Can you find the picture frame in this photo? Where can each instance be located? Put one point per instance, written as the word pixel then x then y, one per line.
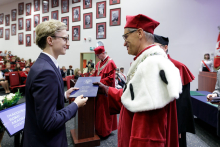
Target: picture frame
pixel 45 6
pixel 7 20
pixel 76 1
pixel 76 14
pixel 28 40
pixel 64 6
pixel 1 32
pixel 36 5
pixel 115 17
pixel 87 20
pixel 28 24
pixel 101 30
pixel 76 33
pixel 34 36
pixel 28 9
pixel 66 21
pixel 87 4
pixel 7 34
pixel 1 18
pixel 54 3
pixel 20 38
pixel 21 8
pixel 45 18
pixel 13 15
pixel 54 15
pixel 67 46
pixel 113 2
pixel 101 9
pixel 20 23
pixel 36 19
pixel 13 29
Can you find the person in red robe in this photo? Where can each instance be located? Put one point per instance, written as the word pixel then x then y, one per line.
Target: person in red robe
pixel 184 104
pixel 147 107
pixel 104 122
pixel 24 75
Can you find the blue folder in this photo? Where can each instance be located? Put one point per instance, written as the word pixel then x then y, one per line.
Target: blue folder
pixel 86 88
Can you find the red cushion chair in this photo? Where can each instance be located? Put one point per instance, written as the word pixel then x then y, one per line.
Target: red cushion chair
pixel 14 80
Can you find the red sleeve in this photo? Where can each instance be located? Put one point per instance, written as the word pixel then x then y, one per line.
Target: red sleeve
pixel 114 96
pixel 109 79
pixel 23 75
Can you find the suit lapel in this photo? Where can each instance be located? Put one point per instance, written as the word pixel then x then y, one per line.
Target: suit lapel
pixel 47 58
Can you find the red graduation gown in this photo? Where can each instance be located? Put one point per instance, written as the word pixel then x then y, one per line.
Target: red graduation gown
pixel 155 128
pixel 104 122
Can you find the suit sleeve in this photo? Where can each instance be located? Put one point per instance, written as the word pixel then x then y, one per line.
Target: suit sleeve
pixel 114 96
pixel 46 96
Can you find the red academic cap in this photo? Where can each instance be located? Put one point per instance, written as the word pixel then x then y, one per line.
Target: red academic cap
pixel 99 50
pixel 141 21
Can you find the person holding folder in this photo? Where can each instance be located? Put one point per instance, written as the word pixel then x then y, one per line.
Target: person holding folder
pixel 45 113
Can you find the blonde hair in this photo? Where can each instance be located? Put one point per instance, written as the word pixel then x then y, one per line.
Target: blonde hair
pixel 48 28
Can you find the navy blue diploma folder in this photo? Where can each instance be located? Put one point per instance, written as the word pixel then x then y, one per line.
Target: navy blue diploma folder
pixel 86 88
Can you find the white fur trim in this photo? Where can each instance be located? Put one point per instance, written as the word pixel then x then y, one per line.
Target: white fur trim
pixel 150 92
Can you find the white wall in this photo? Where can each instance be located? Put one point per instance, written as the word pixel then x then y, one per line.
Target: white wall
pixel 191 26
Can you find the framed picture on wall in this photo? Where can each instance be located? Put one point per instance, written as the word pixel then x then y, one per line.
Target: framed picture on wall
pixel 28 24
pixel 28 39
pixel 20 23
pixel 21 8
pixel 66 21
pixel 101 9
pixel 101 30
pixel 20 38
pixel 36 19
pixel 45 18
pixel 7 34
pixel 34 36
pixel 76 14
pixel 28 9
pixel 1 18
pixel 87 4
pixel 113 2
pixel 75 33
pixel 76 1
pixel 64 6
pixel 13 29
pixel 54 14
pixel 1 32
pixel 13 14
pixel 36 5
pixel 115 17
pixel 54 3
pixel 45 4
pixel 7 20
pixel 87 20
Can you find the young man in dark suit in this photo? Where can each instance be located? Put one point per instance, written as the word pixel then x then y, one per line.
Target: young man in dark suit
pixel 45 113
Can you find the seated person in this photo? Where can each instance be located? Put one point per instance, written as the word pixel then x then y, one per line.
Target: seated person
pixel 17 59
pixel 13 60
pixel 9 53
pixel 92 71
pixel 4 82
pixel 24 75
pixel 70 71
pixel 77 74
pixel 7 68
pixel 118 83
pixel 63 71
pixel 22 60
pixel 17 67
pixel 27 63
pixel 4 53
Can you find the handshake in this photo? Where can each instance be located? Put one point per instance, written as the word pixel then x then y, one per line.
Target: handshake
pixel 80 100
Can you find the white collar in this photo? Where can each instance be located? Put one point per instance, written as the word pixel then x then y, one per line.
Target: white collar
pixel 53 59
pixel 104 58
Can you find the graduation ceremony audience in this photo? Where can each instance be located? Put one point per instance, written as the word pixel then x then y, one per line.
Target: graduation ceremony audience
pixel 4 82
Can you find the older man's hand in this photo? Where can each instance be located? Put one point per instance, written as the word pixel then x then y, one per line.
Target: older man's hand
pixel 103 89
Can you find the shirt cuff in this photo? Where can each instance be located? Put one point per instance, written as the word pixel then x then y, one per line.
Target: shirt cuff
pixel 65 95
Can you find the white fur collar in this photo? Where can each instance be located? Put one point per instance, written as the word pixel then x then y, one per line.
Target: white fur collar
pixel 150 92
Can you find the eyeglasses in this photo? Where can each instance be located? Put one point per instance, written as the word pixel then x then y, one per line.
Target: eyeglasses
pixel 125 36
pixel 64 38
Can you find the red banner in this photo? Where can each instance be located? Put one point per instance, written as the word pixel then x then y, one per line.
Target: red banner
pixel 217 53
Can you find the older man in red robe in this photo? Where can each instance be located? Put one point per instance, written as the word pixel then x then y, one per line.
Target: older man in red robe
pixel 104 122
pixel 147 106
